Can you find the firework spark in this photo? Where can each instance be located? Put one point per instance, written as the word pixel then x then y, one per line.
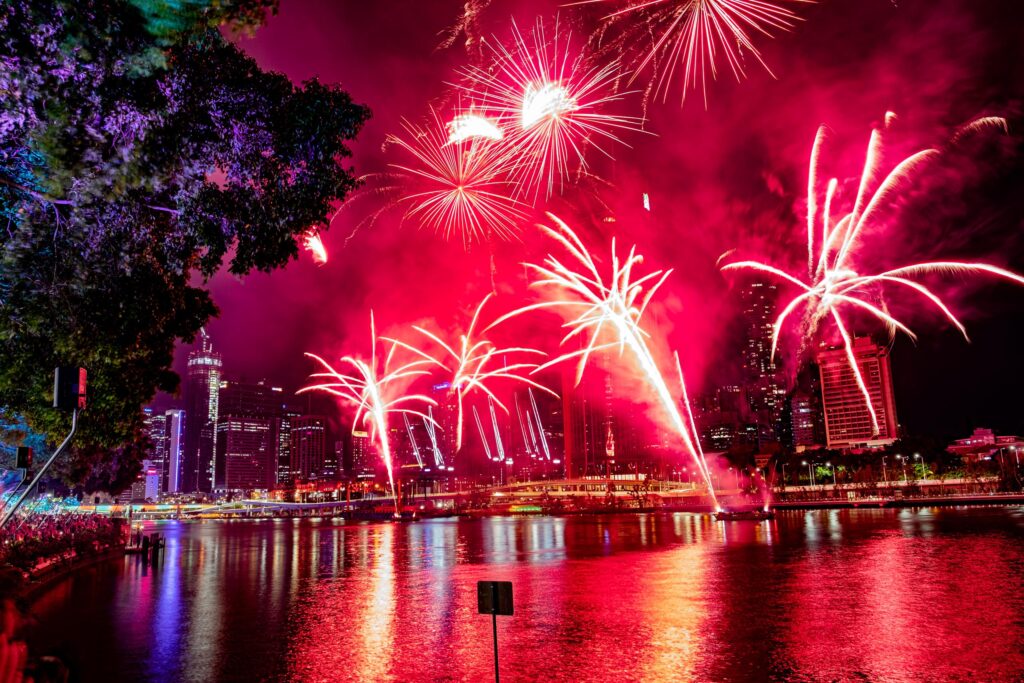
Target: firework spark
pixel 374 390
pixel 833 285
pixel 552 104
pixel 610 311
pixel 689 36
pixel 472 363
pixel 456 187
pixel 469 125
pixel 314 245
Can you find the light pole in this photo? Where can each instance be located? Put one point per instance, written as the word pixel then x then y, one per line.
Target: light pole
pixel 830 465
pixel 885 475
pixel 810 472
pixel 903 463
pixel 783 476
pixel 924 470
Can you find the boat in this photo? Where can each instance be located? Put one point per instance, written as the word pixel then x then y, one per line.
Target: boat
pixel 755 515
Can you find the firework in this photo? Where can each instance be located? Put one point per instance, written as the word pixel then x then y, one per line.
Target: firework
pixel 456 187
pixel 373 388
pixel 469 125
pixel 833 285
pixel 473 364
pixel 314 245
pixel 688 37
pixel 609 311
pixel 551 103
pixel 467 24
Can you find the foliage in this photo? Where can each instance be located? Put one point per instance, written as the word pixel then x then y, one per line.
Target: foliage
pixel 135 158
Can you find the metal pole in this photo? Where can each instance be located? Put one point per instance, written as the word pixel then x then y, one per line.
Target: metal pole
pixel 494 626
pixel 60 449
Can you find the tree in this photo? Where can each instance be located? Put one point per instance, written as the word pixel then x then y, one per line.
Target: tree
pixel 139 151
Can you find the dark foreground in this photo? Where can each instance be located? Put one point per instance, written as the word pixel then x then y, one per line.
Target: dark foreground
pixel 873 595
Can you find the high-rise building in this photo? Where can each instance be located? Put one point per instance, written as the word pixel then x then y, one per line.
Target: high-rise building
pixel 245 451
pixel 848 422
pixel 764 382
pixel 807 422
pixel 585 428
pixel 308 446
pixel 156 429
pixel 247 435
pixel 284 444
pixel 362 456
pixel 202 394
pixel 175 460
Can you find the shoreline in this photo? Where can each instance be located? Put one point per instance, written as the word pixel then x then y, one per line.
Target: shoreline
pixel 888 502
pixel 34 584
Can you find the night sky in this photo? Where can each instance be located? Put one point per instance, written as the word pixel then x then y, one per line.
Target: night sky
pixel 732 175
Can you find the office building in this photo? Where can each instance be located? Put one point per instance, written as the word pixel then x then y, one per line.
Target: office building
pixel 308 447
pixel 848 417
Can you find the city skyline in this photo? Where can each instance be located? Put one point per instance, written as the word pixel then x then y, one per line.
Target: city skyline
pixel 763 154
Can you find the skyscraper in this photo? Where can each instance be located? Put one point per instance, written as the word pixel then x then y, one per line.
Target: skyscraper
pixel 284 444
pixel 807 419
pixel 156 429
pixel 245 452
pixel 764 383
pixel 362 456
pixel 175 450
pixel 847 417
pixel 247 435
pixel 308 446
pixel 202 393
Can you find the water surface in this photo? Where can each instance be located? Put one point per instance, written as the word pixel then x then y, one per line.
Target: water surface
pixel 871 595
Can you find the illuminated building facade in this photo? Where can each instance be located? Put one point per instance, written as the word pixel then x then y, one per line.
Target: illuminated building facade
pixel 308 447
pixel 362 456
pixel 175 450
pixel 284 444
pixel 202 395
pixel 245 453
pixel 848 421
pixel 247 435
pixel 156 430
pixel 806 417
pixel 765 387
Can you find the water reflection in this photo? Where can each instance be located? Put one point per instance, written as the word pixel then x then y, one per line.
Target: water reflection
pixel 874 595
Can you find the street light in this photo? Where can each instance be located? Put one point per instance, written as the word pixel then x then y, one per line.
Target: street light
pixel 885 475
pixel 810 472
pixel 903 462
pixel 924 470
pixel 829 464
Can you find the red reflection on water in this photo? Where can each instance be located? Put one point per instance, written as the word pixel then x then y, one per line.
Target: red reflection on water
pixel 818 596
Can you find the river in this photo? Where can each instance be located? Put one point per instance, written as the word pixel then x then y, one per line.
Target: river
pixel 871 595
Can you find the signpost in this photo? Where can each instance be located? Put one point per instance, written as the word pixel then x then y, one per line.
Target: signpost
pixel 494 598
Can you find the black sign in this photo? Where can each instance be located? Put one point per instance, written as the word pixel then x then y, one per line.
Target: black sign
pixel 494 597
pixel 69 388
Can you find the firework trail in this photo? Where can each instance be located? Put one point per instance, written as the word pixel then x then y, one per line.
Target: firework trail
pixel 833 284
pixel 468 25
pixel 456 186
pixel 373 388
pixel 609 311
pixel 690 36
pixel 551 103
pixel 472 362
pixel 314 245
